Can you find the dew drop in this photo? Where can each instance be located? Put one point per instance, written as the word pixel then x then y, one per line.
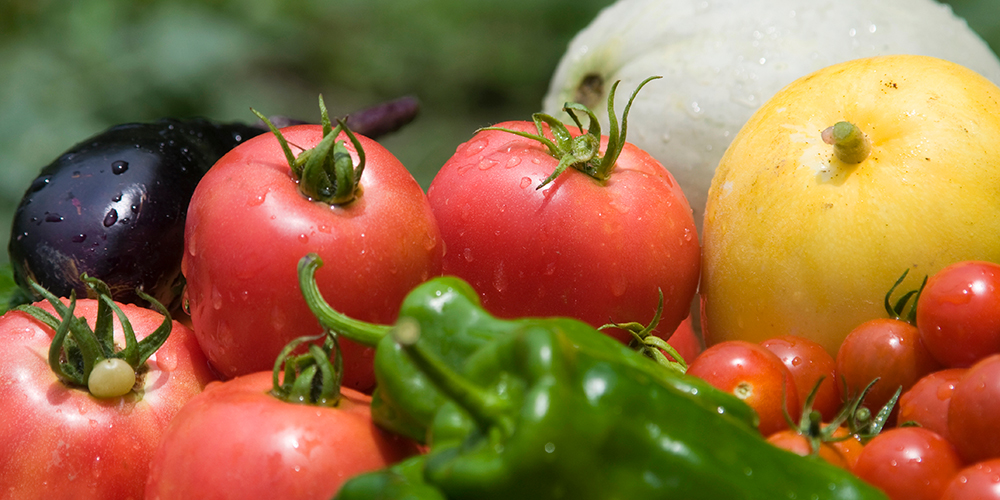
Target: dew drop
pixel 467 254
pixel 216 298
pixel 512 162
pixel 39 183
pixel 487 163
pixel 53 217
pixel 79 238
pixel 111 218
pixel 303 238
pixel 525 182
pixel 117 197
pixel 119 167
pixel 500 278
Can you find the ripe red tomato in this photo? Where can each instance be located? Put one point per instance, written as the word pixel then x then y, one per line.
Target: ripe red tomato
pixel 809 363
pixel 248 226
pixel 908 463
pixel 926 403
pixel 596 250
pixel 57 441
pixel 686 341
pixel 755 375
pixel 235 440
pixel 978 481
pixel 974 411
pixel 887 349
pixel 958 313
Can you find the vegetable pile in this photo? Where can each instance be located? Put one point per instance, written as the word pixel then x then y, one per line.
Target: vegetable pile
pixel 520 330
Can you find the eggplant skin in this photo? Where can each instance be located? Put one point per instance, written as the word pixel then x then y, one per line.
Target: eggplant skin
pixel 113 207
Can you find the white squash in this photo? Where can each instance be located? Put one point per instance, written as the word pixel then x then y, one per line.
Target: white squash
pixel 721 59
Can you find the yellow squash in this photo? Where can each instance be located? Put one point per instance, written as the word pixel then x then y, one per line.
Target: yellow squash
pixel 800 240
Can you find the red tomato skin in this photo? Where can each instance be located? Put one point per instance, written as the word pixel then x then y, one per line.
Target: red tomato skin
pixel 248 226
pixel 958 313
pixel 577 247
pixel 59 442
pixel 979 481
pixel 686 341
pixel 888 349
pixel 908 463
pixel 236 441
pixel 926 403
pixel 808 361
pixel 755 375
pixel 974 411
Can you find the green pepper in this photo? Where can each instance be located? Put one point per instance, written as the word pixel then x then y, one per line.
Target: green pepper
pixel 552 408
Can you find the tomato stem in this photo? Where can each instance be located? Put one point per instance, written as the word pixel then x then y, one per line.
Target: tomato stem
pixel 325 172
pixel 76 348
pixel 583 151
pixel 650 345
pixel 309 378
pixel 850 144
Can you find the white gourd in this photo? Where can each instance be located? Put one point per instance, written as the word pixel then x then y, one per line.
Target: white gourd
pixel 721 59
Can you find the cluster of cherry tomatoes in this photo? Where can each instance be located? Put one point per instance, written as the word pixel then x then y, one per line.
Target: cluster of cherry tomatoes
pixel 910 403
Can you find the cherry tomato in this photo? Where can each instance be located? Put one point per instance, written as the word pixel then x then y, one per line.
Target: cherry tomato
pixel 974 411
pixel 247 227
pixel 753 374
pixel 926 403
pixel 809 363
pixel 889 350
pixel 908 463
pixel 958 313
pixel 58 441
pixel 237 441
pixel 979 481
pixel 596 250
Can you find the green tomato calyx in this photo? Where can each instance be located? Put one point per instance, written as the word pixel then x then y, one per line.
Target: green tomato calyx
pixel 311 377
pixel 850 144
pixel 85 357
pixel 325 172
pixel 583 151
pixel 645 341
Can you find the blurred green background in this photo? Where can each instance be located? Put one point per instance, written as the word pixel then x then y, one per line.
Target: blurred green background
pixel 71 68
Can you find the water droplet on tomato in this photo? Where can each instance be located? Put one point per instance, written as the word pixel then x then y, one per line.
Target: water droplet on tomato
pixel 550 269
pixel 166 360
pixel 512 162
pixel 487 163
pixel 525 182
pixel 216 298
pixel 258 200
pixel 474 146
pixel 304 238
pixel 192 247
pixel 500 278
pixel 467 254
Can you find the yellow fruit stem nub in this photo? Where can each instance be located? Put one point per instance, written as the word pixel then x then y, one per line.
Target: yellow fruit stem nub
pixel 850 144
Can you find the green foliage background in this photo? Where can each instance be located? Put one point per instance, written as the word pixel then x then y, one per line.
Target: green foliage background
pixel 71 68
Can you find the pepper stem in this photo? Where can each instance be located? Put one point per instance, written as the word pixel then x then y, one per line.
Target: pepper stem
pixel 361 332
pixel 850 144
pixel 486 408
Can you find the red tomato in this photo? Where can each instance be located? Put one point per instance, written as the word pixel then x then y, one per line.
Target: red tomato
pixel 974 411
pixel 235 440
pixel 908 463
pixel 248 226
pixel 60 442
pixel 687 343
pixel 887 349
pixel 979 481
pixel 958 313
pixel 809 362
pixel 578 247
pixel 926 403
pixel 753 374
